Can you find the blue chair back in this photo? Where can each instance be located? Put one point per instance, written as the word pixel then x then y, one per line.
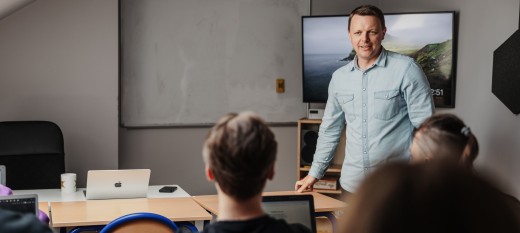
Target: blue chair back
pixel 132 220
pixel 136 218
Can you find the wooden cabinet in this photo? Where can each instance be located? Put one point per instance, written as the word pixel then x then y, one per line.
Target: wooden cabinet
pixel 307 135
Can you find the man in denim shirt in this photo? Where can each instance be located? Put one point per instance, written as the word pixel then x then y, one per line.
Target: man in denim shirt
pixel 381 96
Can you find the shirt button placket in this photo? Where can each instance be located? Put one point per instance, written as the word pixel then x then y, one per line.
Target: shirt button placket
pixel 364 123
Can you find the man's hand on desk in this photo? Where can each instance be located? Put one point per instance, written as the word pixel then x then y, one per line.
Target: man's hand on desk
pixel 305 184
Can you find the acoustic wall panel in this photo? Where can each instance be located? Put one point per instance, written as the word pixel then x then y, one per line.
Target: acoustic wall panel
pixel 506 73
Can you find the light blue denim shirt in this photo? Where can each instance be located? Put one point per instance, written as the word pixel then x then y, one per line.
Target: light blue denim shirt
pixel 380 107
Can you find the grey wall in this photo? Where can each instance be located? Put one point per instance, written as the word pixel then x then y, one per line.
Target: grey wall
pixel 174 154
pixel 59 62
pixel 336 7
pixel 224 55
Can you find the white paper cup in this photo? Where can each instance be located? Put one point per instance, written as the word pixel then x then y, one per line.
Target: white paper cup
pixel 68 182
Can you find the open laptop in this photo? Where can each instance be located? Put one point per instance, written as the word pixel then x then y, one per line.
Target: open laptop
pixel 110 184
pixel 291 208
pixel 27 203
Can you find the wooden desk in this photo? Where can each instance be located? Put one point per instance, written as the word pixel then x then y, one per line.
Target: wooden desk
pixel 101 212
pixel 44 206
pixel 67 210
pixel 322 203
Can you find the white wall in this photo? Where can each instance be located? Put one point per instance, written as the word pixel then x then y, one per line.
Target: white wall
pixel 59 62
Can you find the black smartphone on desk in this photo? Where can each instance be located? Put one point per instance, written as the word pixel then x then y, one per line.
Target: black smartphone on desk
pixel 168 189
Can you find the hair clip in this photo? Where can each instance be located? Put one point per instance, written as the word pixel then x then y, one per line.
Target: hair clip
pixel 465 131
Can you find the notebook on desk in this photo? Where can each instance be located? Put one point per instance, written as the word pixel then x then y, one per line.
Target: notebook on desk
pixel 291 208
pixel 27 203
pixel 111 184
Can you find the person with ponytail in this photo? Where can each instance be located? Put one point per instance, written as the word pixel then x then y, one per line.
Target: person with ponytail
pixel 444 136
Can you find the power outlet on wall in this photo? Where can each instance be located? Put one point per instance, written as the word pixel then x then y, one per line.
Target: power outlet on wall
pixel 280 85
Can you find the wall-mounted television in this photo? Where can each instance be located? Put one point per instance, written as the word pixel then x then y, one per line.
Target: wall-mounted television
pixel 429 38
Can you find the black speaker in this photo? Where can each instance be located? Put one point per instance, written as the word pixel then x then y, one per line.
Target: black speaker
pixel 309 139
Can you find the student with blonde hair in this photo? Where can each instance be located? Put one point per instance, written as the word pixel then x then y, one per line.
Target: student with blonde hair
pixel 239 154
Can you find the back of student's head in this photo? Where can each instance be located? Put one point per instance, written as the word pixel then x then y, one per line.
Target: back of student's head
pixel 428 198
pixel 240 151
pixel 445 136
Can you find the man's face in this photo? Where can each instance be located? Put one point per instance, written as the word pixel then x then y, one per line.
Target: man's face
pixel 366 34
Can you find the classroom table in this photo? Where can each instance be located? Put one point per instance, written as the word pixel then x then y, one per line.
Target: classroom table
pixel 70 210
pixel 322 203
pixel 44 207
pixel 101 212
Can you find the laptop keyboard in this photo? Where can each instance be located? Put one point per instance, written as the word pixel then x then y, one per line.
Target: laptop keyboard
pixel 21 205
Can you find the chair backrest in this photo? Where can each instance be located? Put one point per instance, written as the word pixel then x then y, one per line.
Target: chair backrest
pixel 140 222
pixel 33 154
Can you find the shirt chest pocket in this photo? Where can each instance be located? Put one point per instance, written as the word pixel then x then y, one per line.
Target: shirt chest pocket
pixel 347 104
pixel 386 104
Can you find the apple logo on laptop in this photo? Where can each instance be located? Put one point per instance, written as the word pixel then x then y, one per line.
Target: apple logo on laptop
pixel 118 184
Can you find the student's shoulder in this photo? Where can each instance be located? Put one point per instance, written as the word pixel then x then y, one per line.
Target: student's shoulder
pixel 299 228
pixel 290 227
pixel 264 224
pixel 11 222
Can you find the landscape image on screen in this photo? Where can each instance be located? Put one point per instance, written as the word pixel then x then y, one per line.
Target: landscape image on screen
pixel 426 37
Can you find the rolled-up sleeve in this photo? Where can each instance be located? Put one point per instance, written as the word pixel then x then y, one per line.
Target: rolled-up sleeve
pixel 332 125
pixel 418 96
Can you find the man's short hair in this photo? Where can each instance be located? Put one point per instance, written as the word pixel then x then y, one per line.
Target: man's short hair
pixel 240 151
pixel 365 10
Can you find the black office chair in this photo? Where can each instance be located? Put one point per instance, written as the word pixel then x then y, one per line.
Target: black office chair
pixel 33 154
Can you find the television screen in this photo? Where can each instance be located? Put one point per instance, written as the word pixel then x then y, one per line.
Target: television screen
pixel 429 38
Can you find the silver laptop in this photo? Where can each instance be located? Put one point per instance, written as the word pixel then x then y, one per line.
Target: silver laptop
pixel 111 184
pixel 27 203
pixel 291 208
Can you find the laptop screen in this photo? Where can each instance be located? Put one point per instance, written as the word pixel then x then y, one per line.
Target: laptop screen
pixel 291 208
pixel 20 203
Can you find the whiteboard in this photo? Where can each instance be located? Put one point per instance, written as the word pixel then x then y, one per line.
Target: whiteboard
pixel 189 62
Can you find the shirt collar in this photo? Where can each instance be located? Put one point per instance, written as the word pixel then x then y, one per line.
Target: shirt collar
pixel 381 60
